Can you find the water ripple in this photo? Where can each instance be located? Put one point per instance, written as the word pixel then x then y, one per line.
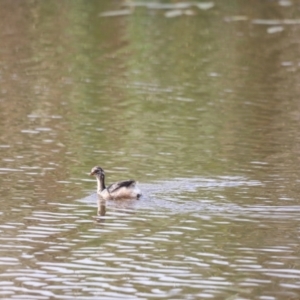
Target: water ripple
pixel 156 247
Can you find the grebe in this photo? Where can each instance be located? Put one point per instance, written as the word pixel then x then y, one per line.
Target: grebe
pixel 117 190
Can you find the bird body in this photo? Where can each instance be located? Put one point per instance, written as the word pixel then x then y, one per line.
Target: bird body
pixel 118 190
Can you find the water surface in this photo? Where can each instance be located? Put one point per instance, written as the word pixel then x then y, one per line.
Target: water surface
pixel 197 101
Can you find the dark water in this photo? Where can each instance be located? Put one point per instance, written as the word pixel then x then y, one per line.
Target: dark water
pixel 197 101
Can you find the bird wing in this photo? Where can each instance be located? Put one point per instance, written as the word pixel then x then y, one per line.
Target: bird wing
pixel 115 186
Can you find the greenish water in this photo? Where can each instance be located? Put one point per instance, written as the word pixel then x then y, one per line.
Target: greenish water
pixel 199 103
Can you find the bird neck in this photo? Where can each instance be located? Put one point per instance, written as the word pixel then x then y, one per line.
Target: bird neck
pixel 100 183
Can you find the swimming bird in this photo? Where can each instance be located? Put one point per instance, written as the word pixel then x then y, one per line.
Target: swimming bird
pixel 118 190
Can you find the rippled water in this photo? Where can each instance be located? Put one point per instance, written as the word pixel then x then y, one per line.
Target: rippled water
pixel 198 101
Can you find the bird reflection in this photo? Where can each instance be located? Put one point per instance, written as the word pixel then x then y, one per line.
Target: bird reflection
pixel 101 206
pixel 101 209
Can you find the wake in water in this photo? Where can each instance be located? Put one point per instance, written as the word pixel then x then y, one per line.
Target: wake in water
pixel 180 195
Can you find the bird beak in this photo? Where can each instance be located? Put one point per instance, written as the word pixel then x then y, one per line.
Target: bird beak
pixel 91 174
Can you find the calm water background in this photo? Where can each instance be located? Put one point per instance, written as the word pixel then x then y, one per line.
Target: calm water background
pixel 200 103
